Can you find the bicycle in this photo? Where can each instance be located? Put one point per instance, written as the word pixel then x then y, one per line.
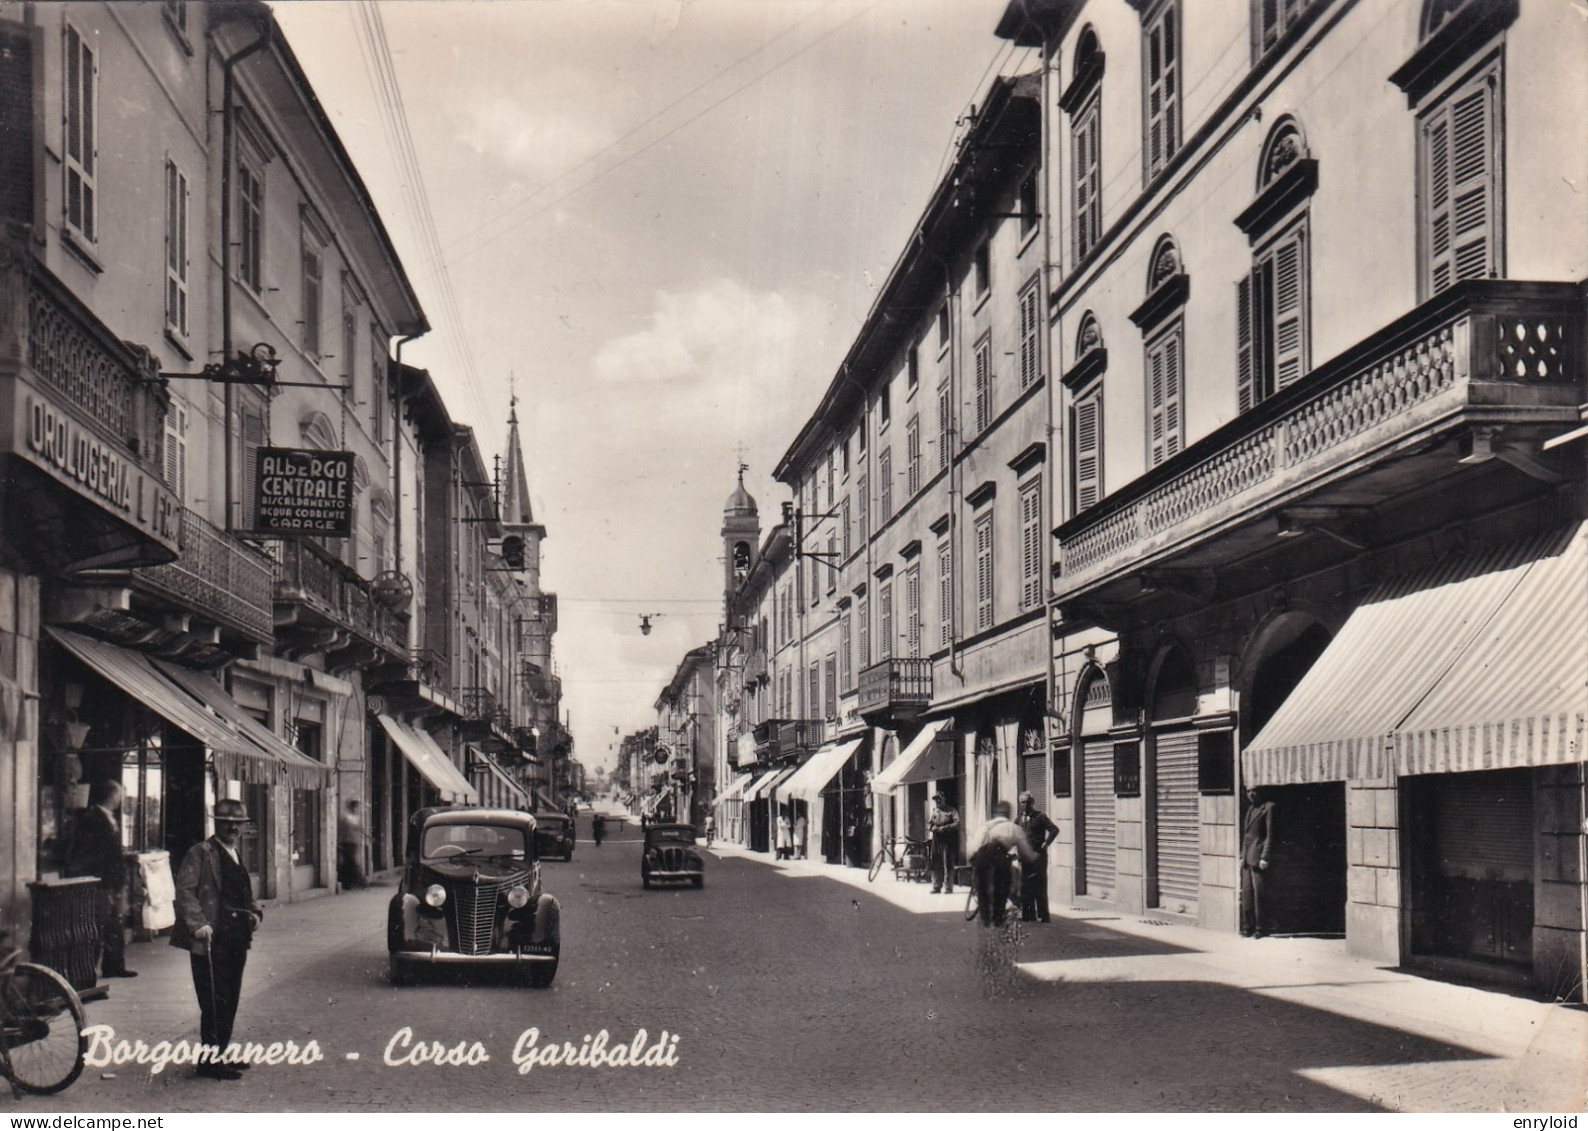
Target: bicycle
pixel 41 1025
pixel 1016 874
pixel 911 859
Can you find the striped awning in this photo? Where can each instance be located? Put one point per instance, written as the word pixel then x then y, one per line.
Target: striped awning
pixel 514 790
pixel 1476 663
pixel 819 769
pixel 735 791
pixel 431 762
pixel 924 759
pixel 302 771
pixel 765 783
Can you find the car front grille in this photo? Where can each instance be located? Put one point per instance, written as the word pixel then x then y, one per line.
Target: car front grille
pixel 473 915
pixel 672 859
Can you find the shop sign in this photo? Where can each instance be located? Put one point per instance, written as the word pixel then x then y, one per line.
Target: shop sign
pixel 302 491
pixel 52 439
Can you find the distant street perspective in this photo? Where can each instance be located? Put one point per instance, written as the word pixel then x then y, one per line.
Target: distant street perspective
pixel 803 987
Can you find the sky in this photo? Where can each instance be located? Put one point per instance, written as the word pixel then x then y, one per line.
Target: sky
pixel 660 224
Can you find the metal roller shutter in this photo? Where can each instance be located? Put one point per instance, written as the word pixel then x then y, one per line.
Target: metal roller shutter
pixel 1179 847
pixel 1099 820
pixel 1484 825
pixel 1034 778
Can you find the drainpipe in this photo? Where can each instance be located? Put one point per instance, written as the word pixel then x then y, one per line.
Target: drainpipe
pixel 1045 207
pixel 228 163
pixel 397 451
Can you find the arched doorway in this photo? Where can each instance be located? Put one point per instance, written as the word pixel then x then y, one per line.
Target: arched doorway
pixel 1306 889
pixel 1174 827
pixel 1099 819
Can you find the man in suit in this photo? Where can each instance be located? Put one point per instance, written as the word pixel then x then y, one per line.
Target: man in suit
pixel 96 851
pixel 943 829
pixel 216 917
pixel 1040 833
pixel 1257 834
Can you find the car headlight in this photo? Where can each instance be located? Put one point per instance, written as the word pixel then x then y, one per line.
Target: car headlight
pixel 435 895
pixel 517 897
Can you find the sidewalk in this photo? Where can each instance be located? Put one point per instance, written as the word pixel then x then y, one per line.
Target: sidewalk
pixel 1540 1050
pixel 159 1005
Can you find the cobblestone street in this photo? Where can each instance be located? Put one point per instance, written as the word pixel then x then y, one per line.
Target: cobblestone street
pixel 799 986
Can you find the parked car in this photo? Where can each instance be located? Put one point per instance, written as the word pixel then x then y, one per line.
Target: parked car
pixel 670 856
pixel 554 834
pixel 470 896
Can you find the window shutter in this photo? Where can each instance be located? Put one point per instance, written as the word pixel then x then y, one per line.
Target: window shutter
pixel 945 593
pixel 1245 352
pixel 1028 337
pixel 983 385
pixel 1289 267
pixel 885 622
pixel 945 427
pixel 1031 546
pixel 176 450
pixel 254 438
pixel 1459 143
pixel 1087 428
pixel 1163 364
pixel 912 610
pixel 984 572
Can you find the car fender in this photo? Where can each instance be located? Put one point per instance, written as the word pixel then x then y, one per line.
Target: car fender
pixel 419 929
pixel 548 921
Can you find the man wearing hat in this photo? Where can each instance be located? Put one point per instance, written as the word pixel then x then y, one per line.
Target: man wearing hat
pixel 216 917
pixel 1040 832
pixel 943 828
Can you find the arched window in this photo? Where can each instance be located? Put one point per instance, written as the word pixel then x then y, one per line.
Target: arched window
pixel 1082 101
pixel 1273 324
pixel 1085 383
pixel 1162 323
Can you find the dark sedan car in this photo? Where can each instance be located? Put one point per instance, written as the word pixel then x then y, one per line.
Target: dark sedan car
pixel 554 833
pixel 670 856
pixel 470 896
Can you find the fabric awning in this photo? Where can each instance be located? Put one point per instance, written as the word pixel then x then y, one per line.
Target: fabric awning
pixel 764 783
pixel 819 769
pixel 235 756
pixel 434 766
pixel 735 791
pixel 545 804
pixel 925 759
pixel 1475 663
pixel 303 772
pixel 515 790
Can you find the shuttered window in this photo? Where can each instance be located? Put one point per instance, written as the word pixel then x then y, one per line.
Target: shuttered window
pixel 1030 352
pixel 984 570
pixel 1085 140
pixel 863 493
pixel 830 678
pixel 945 593
pixel 1272 342
pixel 82 137
pixel 945 427
pixel 846 634
pixel 884 486
pixel 863 641
pixel 848 532
pixel 1162 45
pixel 177 199
pixel 912 610
pixel 885 621
pixel 255 436
pixel 1165 381
pixel 176 449
pixel 1086 438
pixel 984 379
pixel 1460 187
pixel 912 456
pixel 1031 545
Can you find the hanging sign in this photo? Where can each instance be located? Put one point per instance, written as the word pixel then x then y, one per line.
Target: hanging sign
pixel 302 491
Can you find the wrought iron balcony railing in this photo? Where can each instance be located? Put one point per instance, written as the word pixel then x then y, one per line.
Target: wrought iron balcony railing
pixel 310 579
pixel 898 688
pixel 218 576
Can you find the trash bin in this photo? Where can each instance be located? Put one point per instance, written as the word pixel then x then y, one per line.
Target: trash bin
pixel 66 928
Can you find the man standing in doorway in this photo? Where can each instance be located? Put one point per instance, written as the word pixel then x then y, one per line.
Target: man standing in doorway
pixel 1040 833
pixel 96 851
pixel 216 917
pixel 942 827
pixel 1257 834
pixel 350 847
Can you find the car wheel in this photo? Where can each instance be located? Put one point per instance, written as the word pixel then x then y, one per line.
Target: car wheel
pixel 540 975
pixel 397 972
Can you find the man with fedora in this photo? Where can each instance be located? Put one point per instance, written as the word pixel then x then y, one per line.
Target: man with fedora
pixel 1040 833
pixel 942 827
pixel 216 917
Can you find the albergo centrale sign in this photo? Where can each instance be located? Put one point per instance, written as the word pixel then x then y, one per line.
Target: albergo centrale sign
pixel 301 491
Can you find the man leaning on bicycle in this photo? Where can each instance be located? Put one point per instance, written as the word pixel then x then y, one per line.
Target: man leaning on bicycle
pixel 993 852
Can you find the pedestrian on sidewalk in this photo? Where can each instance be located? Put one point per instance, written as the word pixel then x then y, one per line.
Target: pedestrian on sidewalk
pixel 785 835
pixel 350 847
pixel 992 869
pixel 598 828
pixel 1040 832
pixel 1257 835
pixel 711 829
pixel 800 831
pixel 943 829
pixel 216 917
pixel 96 851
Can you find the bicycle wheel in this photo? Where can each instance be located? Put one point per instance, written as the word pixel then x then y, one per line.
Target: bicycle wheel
pixel 41 1026
pixel 877 862
pixel 972 906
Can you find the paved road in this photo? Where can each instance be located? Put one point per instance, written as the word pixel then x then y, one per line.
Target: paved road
pixel 790 991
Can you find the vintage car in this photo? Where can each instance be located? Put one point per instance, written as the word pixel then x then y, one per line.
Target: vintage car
pixel 470 896
pixel 554 833
pixel 670 856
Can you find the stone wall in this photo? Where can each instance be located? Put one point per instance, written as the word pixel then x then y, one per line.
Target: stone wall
pixel 1373 876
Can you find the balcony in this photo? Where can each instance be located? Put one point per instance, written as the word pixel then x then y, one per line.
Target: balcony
pixel 895 691
pixel 218 577
pixel 323 606
pixel 755 671
pixel 541 613
pixel 1437 418
pixel 784 738
pixel 484 718
pixel 82 418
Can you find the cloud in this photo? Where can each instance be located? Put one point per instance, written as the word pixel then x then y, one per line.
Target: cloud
pixel 542 142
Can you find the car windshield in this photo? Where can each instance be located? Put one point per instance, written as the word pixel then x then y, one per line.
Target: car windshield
pixel 442 841
pixel 683 835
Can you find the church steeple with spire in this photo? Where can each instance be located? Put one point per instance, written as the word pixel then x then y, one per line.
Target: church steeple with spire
pixel 518 516
pixel 741 536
